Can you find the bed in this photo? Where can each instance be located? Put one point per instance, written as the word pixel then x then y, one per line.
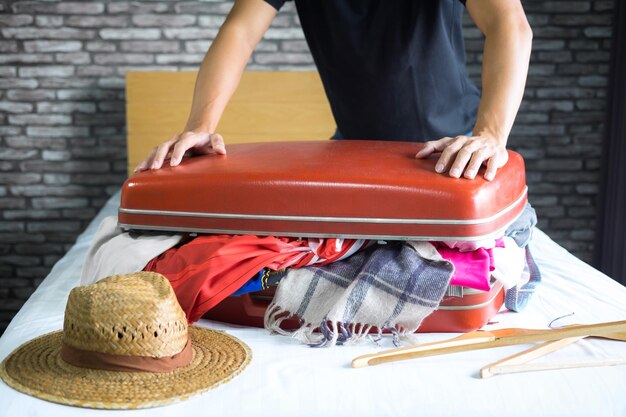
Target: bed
pixel 286 378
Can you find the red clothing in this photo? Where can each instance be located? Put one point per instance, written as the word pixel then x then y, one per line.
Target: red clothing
pixel 209 268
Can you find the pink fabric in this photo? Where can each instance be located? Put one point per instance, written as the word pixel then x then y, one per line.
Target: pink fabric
pixel 471 268
pixel 208 269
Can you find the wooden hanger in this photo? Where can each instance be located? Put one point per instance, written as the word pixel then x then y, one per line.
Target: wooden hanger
pixel 496 338
pixel 519 361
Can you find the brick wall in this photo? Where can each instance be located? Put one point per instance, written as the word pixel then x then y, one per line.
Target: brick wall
pixel 62 137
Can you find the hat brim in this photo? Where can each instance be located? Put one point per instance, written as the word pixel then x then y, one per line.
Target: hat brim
pixel 36 368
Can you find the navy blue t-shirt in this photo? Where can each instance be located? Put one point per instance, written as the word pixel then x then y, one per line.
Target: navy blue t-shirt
pixel 392 70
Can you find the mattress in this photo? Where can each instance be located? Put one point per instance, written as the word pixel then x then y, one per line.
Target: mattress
pixel 286 378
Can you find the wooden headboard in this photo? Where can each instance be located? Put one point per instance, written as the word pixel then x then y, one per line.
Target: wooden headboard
pixel 267 106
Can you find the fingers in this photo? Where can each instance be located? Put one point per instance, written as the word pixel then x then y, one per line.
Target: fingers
pixel 452 148
pixel 495 162
pixel 217 144
pixel 161 152
pixel 148 163
pixel 463 156
pixel 178 146
pixel 433 146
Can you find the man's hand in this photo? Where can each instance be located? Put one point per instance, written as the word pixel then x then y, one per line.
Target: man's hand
pixel 187 143
pixel 464 155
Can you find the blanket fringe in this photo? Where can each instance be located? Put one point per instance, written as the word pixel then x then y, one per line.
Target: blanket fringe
pixel 332 332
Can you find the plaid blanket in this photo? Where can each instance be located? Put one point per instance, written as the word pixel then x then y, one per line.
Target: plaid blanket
pixel 392 286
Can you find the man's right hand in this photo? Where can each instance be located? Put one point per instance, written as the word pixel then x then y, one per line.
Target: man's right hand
pixel 187 143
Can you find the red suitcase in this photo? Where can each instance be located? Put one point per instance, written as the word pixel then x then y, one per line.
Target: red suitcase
pixel 352 189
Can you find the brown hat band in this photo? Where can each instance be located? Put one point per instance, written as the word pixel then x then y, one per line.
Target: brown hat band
pixel 110 362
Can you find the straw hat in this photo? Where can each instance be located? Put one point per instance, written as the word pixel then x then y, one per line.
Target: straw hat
pixel 125 344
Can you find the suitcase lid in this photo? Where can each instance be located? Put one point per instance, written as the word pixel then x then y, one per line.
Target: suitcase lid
pixel 344 188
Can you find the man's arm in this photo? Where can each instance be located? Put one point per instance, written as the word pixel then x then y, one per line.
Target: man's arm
pixel 506 54
pixel 217 80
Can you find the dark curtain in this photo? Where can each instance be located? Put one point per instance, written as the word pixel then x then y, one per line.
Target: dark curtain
pixel 610 245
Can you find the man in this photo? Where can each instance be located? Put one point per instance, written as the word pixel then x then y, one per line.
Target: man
pixel 392 70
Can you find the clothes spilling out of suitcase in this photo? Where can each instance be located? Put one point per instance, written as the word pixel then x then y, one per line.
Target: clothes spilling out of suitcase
pixel 335 290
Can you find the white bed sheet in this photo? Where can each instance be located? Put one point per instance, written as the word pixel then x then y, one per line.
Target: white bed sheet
pixel 287 378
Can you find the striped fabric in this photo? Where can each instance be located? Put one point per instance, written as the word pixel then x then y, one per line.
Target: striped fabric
pixel 393 286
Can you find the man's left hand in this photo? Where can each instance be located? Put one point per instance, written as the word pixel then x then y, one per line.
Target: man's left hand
pixel 464 155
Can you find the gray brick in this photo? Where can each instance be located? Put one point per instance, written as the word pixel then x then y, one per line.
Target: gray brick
pixel 14 282
pixel 557 6
pixel 555 32
pixel 591 189
pixel 199 7
pixel 132 7
pixel 7 71
pixel 10 130
pixel 582 19
pixel 49 21
pixel 591 104
pixel 552 164
pixel 25 59
pixel 130 33
pixel 587 211
pixel 57 131
pixel 548 44
pixel 123 58
pixel 65 107
pixel 16 154
pixel 37 119
pixel 17 83
pixel 69 166
pixel 556 93
pixel 15 20
pixel 190 33
pixel 78 94
pixel 37 249
pixel 8 46
pixel 47 71
pixel 53 226
pixel 11 227
pixel 97 21
pixel 593 81
pixel 73 58
pixel 595 56
pixel 111 106
pixel 28 214
pixel 15 107
pixel 12 203
pixel 19 261
pixel 100 46
pixel 94 71
pixel 56 179
pixel 37 33
pixel 59 202
pixel 598 31
pixel 71 7
pixel 576 200
pixel 92 179
pixel 555 56
pixel 36 143
pixel 603 5
pixel 30 95
pixel 164 20
pixel 48 155
pixel 149 46
pixel 52 46
pixel 83 213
